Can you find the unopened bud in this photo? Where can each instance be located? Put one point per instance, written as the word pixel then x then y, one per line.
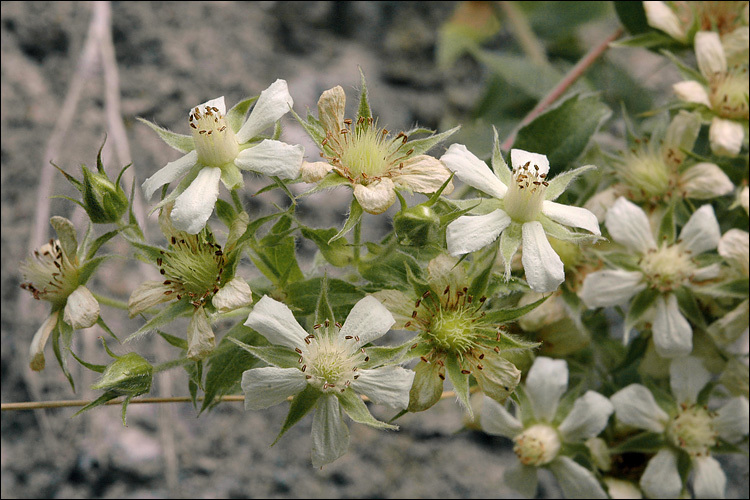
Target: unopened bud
pixel 129 375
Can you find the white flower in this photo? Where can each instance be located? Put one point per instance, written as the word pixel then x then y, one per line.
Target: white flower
pixel 734 247
pixel 538 441
pixel 332 363
pixel 689 427
pixel 664 268
pixel 723 92
pixel 525 212
pixel 220 147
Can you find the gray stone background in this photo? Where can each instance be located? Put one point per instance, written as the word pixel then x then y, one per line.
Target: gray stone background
pixel 171 56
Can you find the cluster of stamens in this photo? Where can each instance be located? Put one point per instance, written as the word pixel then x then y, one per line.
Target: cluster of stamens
pixel 51 275
pixel 724 17
pixel 362 152
pixel 650 173
pixel 728 93
pixel 328 362
pixel 525 195
pixel 537 445
pixel 192 268
pixel 668 267
pixel 215 142
pixel 692 430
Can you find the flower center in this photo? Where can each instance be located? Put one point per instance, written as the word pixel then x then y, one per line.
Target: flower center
pixel 646 173
pixel 692 430
pixel 537 445
pixel 722 16
pixel 523 201
pixel 215 141
pixel 192 266
pixel 668 267
pixel 729 93
pixel 364 151
pixel 50 275
pixel 330 363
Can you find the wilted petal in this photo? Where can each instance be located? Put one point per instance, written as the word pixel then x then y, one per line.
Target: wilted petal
pixel 726 137
pixel 269 386
pixel 498 377
pixel 169 173
pixel 36 350
pixel 82 309
pixel 233 295
pixel 709 53
pixel 543 267
pixel 687 378
pixel 473 171
pixel 587 419
pixel 661 479
pixel 661 17
pixel 275 322
pixel 611 287
pixel 546 382
pixel 200 336
pixel 571 216
pixel 331 109
pixel 422 174
pixel 636 406
pixel 472 232
pixel 147 295
pixel 709 480
pixel 330 435
pixel 368 320
pixel 427 387
pixel 704 181
pixel 498 421
pixel 575 480
pixel 388 385
pixel 691 91
pixel 628 225
pixel 376 197
pixel 194 206
pixel 672 333
pixel 272 158
pixel 732 420
pixel 701 232
pixel 315 171
pixel 519 158
pixel 272 104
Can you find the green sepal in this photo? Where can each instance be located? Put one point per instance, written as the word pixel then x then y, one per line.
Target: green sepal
pixel 90 366
pixel 235 117
pixel 312 126
pixel 619 260
pixel 225 212
pixel 106 328
pixel 331 180
pixel 560 182
pixel 355 215
pixel 180 142
pixel 323 309
pixel 645 442
pixel 642 302
pixel 107 396
pixel 689 306
pixel 173 340
pixel 165 316
pixel 301 405
pixel 460 382
pixel 64 330
pixel 273 355
pixel 357 410
pixel 687 72
pixel 667 230
pixel 509 342
pixel 737 289
pixel 505 315
pixel 363 109
pixel 253 227
pixel 97 244
pixel 381 355
pixel 88 267
pixel 76 183
pixel 499 165
pixel 420 146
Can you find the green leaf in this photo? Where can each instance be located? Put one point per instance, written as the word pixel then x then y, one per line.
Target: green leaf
pixel 357 410
pixel 390 269
pixel 303 296
pixel 632 15
pixel 301 406
pixel 275 254
pixel 563 132
pixel 180 142
pixel 338 253
pixel 524 75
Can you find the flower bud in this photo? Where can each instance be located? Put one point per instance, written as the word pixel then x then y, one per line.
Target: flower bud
pixel 129 375
pixel 104 201
pixel 416 226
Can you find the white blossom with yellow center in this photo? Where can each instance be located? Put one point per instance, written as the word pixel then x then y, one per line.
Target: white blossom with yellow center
pixel 216 151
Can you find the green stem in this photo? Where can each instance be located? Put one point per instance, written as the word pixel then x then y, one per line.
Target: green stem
pixel 108 301
pixel 528 41
pixel 357 241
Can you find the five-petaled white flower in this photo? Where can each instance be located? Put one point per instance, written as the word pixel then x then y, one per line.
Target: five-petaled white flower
pixel 538 440
pixel 687 427
pixel 331 364
pixel 220 146
pixel 522 211
pixel 664 269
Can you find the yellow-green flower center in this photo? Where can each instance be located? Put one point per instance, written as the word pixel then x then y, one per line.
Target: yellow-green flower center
pixel 646 173
pixel 328 362
pixel 452 330
pixel 50 274
pixel 215 141
pixel 192 266
pixel 537 445
pixel 668 267
pixel 523 201
pixel 729 92
pixel 692 430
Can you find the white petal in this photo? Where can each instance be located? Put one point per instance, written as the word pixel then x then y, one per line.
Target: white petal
pixel 620 488
pixel 588 417
pixel 169 173
pixel 376 197
pixel 422 174
pixel 81 309
pixel 498 421
pixel 687 377
pixel 701 232
pixel 388 385
pixel 736 45
pixel 546 382
pixel 636 406
pixel 732 420
pixel 269 386
pixel 628 225
pixel 708 272
pixel 709 53
pixel 213 103
pixel 522 478
pixel 473 171
pixel 519 158
pixel 610 287
pixel 272 158
pixel 734 247
pixel 681 135
pixel 330 435
pixel 704 181
pixel 692 91
pixel 726 137
pixel 194 206
pixel 369 320
pixel 233 295
pixel 660 16
pixel 661 479
pixel 472 232
pixel 575 480
pixel 273 103
pixel 571 216
pixel 709 480
pixel 36 350
pixel 275 322
pixel 544 268
pixel 599 203
pixel 673 335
